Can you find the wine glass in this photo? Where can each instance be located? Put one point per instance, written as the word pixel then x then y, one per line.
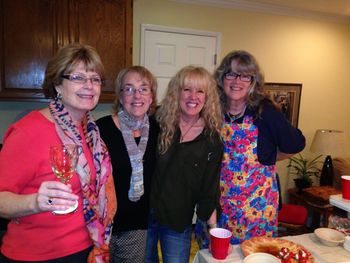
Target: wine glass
pixel 63 159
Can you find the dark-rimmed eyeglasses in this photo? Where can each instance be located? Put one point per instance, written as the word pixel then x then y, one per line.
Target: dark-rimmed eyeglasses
pixel 234 75
pixel 81 79
pixel 130 90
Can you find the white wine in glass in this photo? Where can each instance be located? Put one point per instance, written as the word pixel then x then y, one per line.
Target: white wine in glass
pixel 64 159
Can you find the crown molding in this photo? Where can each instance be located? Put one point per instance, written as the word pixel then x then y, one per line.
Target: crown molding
pixel 253 6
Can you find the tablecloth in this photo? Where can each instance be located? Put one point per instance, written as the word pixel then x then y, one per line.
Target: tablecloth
pixel 321 252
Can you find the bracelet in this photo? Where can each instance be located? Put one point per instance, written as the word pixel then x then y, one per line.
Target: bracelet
pixel 210 226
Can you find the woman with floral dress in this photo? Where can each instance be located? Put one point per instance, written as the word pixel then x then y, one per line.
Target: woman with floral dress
pixel 255 136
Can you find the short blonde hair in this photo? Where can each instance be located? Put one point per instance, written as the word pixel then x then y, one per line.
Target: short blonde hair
pixel 65 61
pixel 145 74
pixel 168 114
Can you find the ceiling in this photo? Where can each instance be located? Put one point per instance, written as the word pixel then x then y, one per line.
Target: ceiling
pixel 330 10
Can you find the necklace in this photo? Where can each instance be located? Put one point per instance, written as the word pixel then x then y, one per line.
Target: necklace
pixel 187 131
pixel 234 117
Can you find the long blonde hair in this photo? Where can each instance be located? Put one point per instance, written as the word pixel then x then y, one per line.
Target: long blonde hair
pixel 168 114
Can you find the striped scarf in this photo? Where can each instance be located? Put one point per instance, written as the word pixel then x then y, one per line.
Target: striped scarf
pixel 127 125
pixel 99 199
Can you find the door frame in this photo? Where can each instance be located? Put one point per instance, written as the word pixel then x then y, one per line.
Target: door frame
pixel 177 30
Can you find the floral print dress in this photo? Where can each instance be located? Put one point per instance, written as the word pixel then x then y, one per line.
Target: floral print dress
pixel 249 191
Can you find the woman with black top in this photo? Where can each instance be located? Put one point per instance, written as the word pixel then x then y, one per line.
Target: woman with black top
pixel 188 163
pixel 131 138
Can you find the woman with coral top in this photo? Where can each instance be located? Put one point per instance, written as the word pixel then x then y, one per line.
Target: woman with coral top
pixel 29 190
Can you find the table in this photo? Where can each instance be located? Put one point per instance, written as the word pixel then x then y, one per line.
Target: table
pixel 320 252
pixel 323 209
pixel 338 201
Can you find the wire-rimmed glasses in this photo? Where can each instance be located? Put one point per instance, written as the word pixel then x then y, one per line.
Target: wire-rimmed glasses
pixel 131 90
pixel 82 79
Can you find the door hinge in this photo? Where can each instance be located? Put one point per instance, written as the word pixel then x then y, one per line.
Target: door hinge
pixel 215 58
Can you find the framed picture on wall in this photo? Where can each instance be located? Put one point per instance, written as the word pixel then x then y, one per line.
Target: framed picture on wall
pixel 287 96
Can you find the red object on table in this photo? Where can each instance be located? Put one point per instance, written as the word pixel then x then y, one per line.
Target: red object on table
pixel 220 241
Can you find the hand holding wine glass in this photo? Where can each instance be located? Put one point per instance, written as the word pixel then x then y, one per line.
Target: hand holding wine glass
pixel 63 159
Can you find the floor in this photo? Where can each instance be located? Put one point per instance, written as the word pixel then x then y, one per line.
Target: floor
pixel 194 249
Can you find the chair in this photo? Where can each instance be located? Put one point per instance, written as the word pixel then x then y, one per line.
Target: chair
pixel 292 220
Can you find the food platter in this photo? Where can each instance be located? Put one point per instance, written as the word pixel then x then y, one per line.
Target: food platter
pixel 285 250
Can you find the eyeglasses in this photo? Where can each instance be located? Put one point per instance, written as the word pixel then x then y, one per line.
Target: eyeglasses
pixel 130 90
pixel 234 75
pixel 81 79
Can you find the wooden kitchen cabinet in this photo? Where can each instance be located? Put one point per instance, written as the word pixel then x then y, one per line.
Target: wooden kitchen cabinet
pixel 32 31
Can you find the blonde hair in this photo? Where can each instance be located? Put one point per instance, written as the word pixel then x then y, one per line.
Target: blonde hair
pixel 65 61
pixel 168 114
pixel 145 74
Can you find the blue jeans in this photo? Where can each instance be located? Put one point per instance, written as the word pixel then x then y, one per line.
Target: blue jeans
pixel 175 246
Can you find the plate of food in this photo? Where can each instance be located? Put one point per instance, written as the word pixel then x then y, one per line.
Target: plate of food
pixel 287 251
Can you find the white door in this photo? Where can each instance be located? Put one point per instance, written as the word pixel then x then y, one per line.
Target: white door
pixel 165 50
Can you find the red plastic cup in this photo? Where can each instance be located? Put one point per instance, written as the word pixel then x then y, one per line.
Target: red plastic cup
pixel 220 241
pixel 345 186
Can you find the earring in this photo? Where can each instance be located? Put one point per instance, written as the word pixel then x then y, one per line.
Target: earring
pixel 59 95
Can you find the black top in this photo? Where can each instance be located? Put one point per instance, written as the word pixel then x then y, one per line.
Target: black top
pixel 276 133
pixel 130 215
pixel 187 175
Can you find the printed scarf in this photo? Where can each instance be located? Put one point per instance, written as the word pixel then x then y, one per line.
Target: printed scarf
pixel 127 125
pixel 99 199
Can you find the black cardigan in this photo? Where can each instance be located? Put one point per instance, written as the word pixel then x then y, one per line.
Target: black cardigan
pixel 130 215
pixel 187 175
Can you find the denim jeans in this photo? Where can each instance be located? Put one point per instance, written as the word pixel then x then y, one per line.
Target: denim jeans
pixel 175 246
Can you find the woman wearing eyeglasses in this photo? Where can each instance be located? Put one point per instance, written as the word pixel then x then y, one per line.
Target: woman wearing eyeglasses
pixel 255 135
pixel 131 138
pixel 29 190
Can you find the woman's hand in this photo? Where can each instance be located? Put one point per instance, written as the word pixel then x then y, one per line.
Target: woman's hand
pixel 282 156
pixel 230 249
pixel 54 195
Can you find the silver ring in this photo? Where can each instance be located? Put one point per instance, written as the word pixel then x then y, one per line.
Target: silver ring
pixel 49 201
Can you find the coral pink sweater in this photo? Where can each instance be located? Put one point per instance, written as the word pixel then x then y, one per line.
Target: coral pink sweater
pixel 24 165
